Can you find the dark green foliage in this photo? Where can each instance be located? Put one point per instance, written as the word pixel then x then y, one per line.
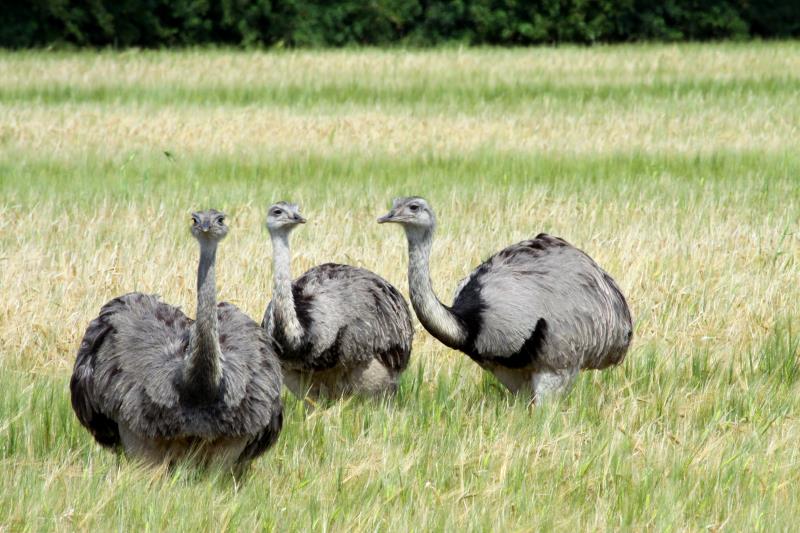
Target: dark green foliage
pixel 772 18
pixel 154 23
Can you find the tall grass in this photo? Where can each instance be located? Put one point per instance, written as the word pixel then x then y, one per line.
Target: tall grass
pixel 674 166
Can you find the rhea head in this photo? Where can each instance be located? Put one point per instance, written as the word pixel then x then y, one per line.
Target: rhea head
pixel 413 213
pixel 284 217
pixel 209 225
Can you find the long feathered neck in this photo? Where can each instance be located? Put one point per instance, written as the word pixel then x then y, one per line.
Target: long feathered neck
pixel 283 309
pixel 435 317
pixel 202 370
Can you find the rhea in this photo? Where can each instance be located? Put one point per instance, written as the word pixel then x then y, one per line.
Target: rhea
pixel 533 314
pixel 337 329
pixel 161 386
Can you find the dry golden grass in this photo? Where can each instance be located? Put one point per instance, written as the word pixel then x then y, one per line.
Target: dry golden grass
pixel 687 99
pixel 589 129
pixel 690 271
pixel 383 70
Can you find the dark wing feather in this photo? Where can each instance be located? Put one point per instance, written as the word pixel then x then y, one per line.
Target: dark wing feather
pixel 104 429
pixel 395 349
pixel 268 435
pixel 109 380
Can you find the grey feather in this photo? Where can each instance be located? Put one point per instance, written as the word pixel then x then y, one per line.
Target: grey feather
pixel 337 328
pixel 130 380
pixel 545 278
pixel 349 316
pixel 533 314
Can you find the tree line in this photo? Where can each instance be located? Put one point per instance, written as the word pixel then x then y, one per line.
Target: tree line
pixel 311 23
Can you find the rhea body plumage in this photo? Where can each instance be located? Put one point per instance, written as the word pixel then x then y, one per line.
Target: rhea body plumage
pixel 159 385
pixel 337 329
pixel 533 314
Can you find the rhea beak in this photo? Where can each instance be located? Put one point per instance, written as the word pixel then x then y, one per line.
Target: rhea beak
pixel 388 217
pixel 205 226
pixel 300 219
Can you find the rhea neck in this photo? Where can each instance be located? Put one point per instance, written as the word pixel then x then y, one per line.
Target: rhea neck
pixel 284 314
pixel 438 319
pixel 202 371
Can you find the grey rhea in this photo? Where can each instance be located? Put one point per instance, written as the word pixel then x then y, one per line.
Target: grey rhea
pixel 162 386
pixel 533 314
pixel 337 329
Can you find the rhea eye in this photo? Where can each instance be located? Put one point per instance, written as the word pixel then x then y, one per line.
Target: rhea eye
pixel 414 207
pixel 195 220
pixel 276 212
pixel 221 220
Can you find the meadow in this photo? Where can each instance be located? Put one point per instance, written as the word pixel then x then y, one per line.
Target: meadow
pixel 675 166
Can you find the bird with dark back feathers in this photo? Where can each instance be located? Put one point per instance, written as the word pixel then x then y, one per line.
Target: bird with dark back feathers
pixel 337 329
pixel 161 386
pixel 533 314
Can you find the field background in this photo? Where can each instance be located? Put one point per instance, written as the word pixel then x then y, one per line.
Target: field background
pixel 676 167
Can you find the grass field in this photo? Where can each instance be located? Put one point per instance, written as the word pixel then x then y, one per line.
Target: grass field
pixel 676 167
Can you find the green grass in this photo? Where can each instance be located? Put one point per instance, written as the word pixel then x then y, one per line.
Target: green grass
pixel 621 441
pixel 675 167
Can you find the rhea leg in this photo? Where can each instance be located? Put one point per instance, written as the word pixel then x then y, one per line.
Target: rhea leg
pixel 547 384
pixel 371 379
pixel 151 451
pixel 301 384
pixel 514 379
